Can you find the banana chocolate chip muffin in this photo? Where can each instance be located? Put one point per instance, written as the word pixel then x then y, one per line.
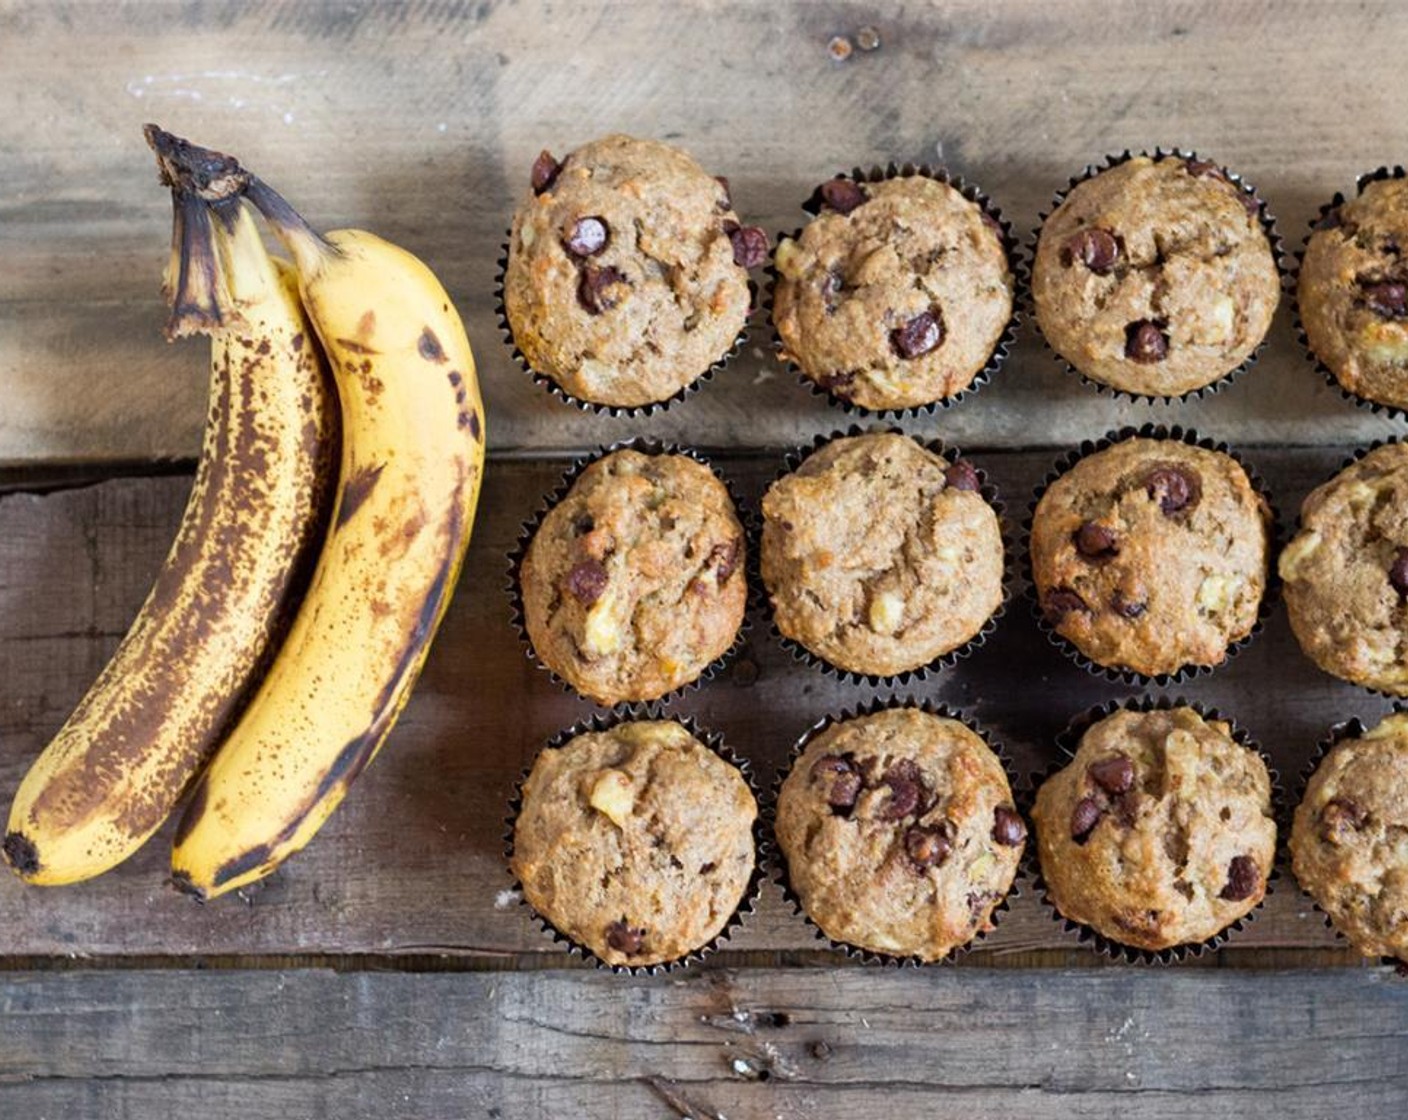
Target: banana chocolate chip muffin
pixel 879 555
pixel 895 295
pixel 1349 840
pixel 899 833
pixel 1151 555
pixel 1345 573
pixel 634 582
pixel 1155 276
pixel 627 273
pixel 1353 292
pixel 635 842
pixel 1159 832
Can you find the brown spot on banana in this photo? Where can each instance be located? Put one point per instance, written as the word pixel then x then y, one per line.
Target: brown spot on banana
pixel 430 348
pixel 357 490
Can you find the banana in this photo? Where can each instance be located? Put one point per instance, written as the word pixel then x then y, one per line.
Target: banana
pixel 412 460
pixel 246 543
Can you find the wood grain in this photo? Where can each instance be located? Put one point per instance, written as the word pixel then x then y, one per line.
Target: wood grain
pixel 791 1044
pixel 421 121
pixel 411 866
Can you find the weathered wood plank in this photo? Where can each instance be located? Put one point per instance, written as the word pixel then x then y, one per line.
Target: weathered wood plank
pixel 421 121
pixel 795 1043
pixel 412 863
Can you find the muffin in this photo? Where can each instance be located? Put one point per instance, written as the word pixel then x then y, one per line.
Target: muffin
pixel 1345 573
pixel 895 295
pixel 634 582
pixel 899 833
pixel 1151 555
pixel 1353 293
pixel 627 273
pixel 1155 276
pixel 879 555
pixel 635 842
pixel 1160 830
pixel 1348 846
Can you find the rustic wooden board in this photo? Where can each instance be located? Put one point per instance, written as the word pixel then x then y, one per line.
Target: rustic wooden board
pixel 792 1044
pixel 421 121
pixel 412 864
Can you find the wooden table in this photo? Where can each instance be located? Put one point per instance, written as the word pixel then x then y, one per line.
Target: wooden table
pixel 387 970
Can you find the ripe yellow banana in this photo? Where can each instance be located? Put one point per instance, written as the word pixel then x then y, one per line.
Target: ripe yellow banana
pixel 246 543
pixel 412 460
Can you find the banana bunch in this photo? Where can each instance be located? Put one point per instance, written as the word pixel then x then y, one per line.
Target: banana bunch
pixel 291 717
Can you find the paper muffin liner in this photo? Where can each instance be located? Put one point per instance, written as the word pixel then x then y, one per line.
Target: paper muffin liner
pixel 1068 740
pixel 1264 216
pixel 1396 412
pixel 761 602
pixel 1090 447
pixel 1349 461
pixel 1352 728
pixel 714 741
pixel 530 529
pixel 616 410
pixel 779 859
pixel 1005 341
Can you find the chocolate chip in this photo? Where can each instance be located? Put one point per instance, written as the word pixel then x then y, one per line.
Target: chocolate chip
pixel 1243 879
pixel 1173 488
pixel 750 246
pixel 1340 816
pixel 1061 601
pixel 1398 572
pixel 723 557
pixel 906 790
pixel 1127 608
pixel 1388 300
pixel 725 203
pixel 588 236
pixel 845 781
pixel 838 384
pixel 586 581
pixel 917 337
pixel 1145 342
pixel 583 524
pixel 545 171
pixel 928 845
pixel 1097 249
pixel 1084 818
pixel 624 939
pixel 1008 828
pixel 1095 541
pixel 962 475
pixel 1113 775
pixel 842 195
pixel 597 289
pixel 1205 169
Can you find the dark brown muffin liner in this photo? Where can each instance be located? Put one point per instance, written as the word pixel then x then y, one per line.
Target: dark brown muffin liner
pixel 762 598
pixel 1349 461
pixel 1090 447
pixel 1264 216
pixel 714 741
pixel 616 410
pixel 1068 740
pixel 1352 728
pixel 779 860
pixel 530 529
pixel 1396 412
pixel 1005 341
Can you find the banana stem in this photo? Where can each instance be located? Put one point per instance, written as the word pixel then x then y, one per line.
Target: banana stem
pixel 300 239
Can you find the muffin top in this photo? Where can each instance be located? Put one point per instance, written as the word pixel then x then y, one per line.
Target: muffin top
pixel 899 833
pixel 635 842
pixel 626 274
pixel 1159 832
pixel 1151 555
pixel 1345 573
pixel 1155 276
pixel 1349 840
pixel 1353 293
pixel 895 295
pixel 879 555
pixel 634 582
